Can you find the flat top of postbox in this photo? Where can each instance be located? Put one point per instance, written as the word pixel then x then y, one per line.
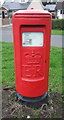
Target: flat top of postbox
pixel 32 11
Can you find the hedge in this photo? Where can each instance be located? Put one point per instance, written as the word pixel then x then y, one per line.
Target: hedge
pixel 58 24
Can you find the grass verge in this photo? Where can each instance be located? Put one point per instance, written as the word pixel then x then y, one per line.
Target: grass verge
pixel 7 64
pixel 57 32
pixel 55 75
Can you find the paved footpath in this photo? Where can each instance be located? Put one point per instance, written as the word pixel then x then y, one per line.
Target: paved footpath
pixel 7 36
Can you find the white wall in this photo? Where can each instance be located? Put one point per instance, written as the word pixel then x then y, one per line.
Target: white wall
pixel 1 1
pixel 36 4
pixel 59 15
pixel 5 11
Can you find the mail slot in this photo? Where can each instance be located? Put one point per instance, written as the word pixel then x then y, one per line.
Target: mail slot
pixel 31 32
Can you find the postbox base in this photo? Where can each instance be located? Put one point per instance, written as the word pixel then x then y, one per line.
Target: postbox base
pixel 33 99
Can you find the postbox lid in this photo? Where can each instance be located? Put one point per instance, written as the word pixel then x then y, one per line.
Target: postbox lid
pixel 32 12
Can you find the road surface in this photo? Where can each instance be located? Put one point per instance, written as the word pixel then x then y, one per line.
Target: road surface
pixel 7 36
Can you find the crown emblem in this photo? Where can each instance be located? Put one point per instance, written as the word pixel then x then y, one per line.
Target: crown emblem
pixel 32 58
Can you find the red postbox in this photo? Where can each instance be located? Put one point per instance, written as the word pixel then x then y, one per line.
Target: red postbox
pixel 32 31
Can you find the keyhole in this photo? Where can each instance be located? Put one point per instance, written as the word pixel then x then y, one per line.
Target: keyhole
pixel 45 61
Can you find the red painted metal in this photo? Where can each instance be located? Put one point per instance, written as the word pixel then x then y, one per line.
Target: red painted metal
pixel 31 63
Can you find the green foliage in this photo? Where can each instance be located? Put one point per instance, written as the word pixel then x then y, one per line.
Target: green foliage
pixel 58 24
